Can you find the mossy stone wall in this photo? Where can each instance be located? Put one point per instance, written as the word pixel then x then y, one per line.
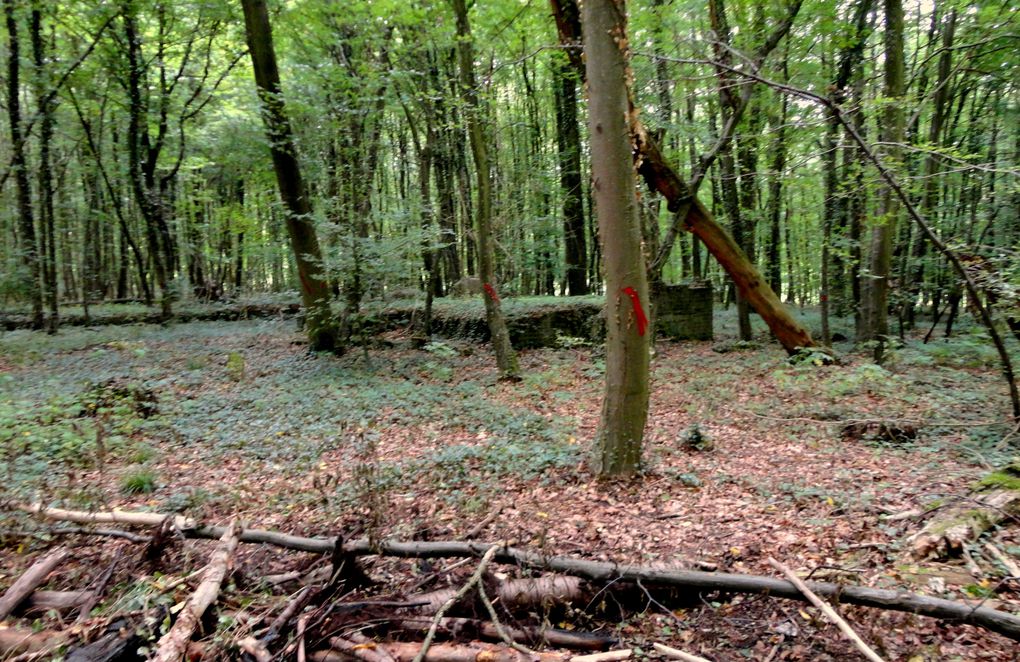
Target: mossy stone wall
pixel 684 312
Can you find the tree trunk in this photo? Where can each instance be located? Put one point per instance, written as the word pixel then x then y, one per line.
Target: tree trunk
pixel 625 404
pixel 773 264
pixel 46 207
pixel 28 244
pixel 315 295
pixel 876 318
pixel 568 145
pixel 930 195
pixel 506 358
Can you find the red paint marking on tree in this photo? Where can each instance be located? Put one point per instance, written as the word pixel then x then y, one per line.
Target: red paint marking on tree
pixel 491 291
pixel 639 313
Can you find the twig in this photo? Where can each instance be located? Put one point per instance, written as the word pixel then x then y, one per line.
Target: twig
pixel 85 611
pixel 608 656
pixel 507 639
pixel 827 610
pixel 478 528
pixel 255 648
pixel 459 595
pixel 677 654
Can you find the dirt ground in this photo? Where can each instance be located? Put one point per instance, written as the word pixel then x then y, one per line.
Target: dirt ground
pixel 745 459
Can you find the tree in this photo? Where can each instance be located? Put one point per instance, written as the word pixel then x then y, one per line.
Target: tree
pixel 506 358
pixel 876 294
pixel 304 242
pixel 625 403
pixel 28 243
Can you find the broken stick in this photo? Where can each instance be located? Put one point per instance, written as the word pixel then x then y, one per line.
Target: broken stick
pixel 28 582
pixel 828 611
pixel 174 644
pixel 677 654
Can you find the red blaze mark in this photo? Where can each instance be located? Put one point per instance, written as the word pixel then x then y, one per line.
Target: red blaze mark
pixel 491 291
pixel 639 313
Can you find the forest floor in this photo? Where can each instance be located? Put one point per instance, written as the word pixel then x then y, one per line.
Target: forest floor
pixel 425 444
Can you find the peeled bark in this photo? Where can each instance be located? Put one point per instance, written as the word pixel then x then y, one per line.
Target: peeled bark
pixel 304 242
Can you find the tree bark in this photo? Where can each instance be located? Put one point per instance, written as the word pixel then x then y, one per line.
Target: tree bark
pixel 625 403
pixel 28 243
pixel 506 358
pixel 876 318
pixel 568 146
pixel 45 174
pixel 304 242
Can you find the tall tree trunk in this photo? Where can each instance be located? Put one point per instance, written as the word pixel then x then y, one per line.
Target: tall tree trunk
pixel 304 242
pixel 506 358
pixel 930 194
pixel 625 404
pixel 142 163
pixel 876 318
pixel 773 263
pixel 46 207
pixel 736 209
pixel 568 145
pixel 28 243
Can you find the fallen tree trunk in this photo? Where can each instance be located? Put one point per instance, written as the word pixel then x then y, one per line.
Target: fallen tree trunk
pixel 527 592
pixel 42 601
pixel 174 644
pixel 982 616
pixel 945 535
pixel 32 578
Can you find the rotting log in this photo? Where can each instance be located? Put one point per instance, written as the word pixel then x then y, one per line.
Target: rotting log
pixel 30 580
pixel 946 534
pixel 699 581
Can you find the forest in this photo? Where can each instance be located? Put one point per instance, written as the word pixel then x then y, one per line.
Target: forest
pixel 509 330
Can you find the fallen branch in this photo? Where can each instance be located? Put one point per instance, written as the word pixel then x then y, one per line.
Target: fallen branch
pixel 1000 556
pixel 474 652
pixel 114 516
pixel 982 616
pixel 460 628
pixel 30 580
pixel 525 592
pixel 471 582
pixel 42 601
pixel 677 654
pixel 174 644
pixel 829 612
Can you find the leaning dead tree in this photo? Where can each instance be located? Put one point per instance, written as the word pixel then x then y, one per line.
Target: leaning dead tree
pixel 837 113
pixel 682 200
